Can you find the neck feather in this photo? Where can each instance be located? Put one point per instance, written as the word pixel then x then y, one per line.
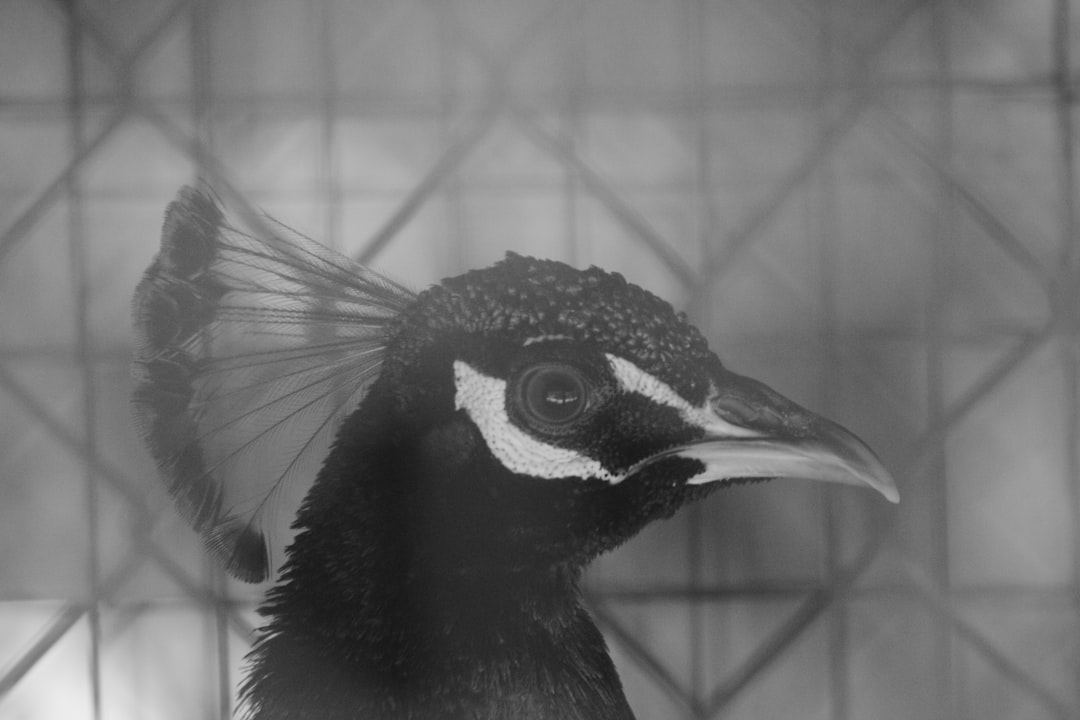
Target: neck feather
pixel 369 622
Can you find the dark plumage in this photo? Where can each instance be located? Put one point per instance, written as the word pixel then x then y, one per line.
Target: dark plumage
pixel 493 434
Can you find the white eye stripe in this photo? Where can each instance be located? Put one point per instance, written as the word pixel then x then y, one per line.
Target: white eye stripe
pixel 633 379
pixel 484 399
pixel 544 338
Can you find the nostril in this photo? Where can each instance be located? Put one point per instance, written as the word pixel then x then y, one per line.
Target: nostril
pixel 735 409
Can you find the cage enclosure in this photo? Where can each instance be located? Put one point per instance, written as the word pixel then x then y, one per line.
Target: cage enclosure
pixel 872 206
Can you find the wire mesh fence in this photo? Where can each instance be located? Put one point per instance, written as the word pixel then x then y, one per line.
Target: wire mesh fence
pixel 870 205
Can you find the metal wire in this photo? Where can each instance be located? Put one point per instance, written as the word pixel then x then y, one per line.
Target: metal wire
pixel 841 102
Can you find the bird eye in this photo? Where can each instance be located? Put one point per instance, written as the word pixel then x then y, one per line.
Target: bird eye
pixel 553 395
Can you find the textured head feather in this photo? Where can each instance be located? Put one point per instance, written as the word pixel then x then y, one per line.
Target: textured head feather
pixel 521 298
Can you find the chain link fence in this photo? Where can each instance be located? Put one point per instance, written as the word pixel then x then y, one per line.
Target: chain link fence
pixel 870 205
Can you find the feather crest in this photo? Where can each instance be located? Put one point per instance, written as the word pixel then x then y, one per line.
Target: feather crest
pixel 251 348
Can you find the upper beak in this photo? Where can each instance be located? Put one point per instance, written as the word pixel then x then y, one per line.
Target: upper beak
pixel 751 431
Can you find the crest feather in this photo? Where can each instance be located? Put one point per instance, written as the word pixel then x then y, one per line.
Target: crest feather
pixel 251 348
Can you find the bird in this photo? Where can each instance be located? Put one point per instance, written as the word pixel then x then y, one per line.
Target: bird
pixel 462 454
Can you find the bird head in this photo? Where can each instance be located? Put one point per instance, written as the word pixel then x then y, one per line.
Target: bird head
pixel 552 412
pixel 525 413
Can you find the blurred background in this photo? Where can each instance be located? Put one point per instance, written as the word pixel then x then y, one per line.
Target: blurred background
pixel 870 205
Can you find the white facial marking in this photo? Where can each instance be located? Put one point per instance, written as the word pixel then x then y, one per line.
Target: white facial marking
pixel 484 399
pixel 544 338
pixel 635 380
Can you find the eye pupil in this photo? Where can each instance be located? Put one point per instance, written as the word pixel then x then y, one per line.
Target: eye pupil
pixel 554 395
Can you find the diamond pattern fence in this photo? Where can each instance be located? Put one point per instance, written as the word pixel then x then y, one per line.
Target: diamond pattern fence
pixel 872 206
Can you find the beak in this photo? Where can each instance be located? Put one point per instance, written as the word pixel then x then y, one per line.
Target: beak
pixel 751 431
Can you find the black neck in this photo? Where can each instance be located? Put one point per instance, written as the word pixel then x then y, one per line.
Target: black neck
pixel 368 622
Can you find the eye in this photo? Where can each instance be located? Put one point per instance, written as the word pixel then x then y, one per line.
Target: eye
pixel 553 395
